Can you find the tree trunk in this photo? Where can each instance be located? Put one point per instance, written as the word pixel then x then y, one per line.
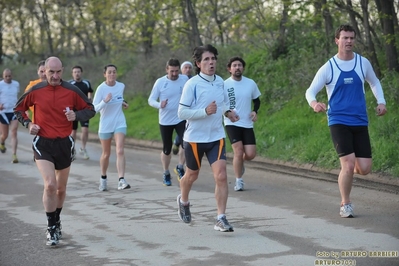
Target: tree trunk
pixel 369 41
pixel 387 13
pixel 281 47
pixel 193 21
pixel 328 25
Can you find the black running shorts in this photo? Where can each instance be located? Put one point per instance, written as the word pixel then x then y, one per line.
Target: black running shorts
pixel 59 151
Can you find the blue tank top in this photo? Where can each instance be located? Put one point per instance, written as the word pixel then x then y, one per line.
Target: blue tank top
pixel 347 104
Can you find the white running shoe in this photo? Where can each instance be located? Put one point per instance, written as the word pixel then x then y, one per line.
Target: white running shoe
pixel 84 153
pixel 122 184
pixel 239 185
pixel 223 225
pixel 346 211
pixel 103 185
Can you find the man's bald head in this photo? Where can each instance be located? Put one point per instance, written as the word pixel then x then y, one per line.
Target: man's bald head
pixel 7 75
pixel 54 70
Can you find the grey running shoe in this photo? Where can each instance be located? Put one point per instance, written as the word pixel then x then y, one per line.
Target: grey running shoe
pixel 58 228
pixel 239 185
pixel 166 180
pixel 103 185
pixel 179 172
pixel 346 211
pixel 122 184
pixel 183 211
pixel 223 225
pixel 52 237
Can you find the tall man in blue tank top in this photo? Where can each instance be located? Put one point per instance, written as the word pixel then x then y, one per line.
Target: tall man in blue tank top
pixel 343 76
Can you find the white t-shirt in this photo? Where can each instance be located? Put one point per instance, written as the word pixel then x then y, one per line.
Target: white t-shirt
pixel 111 113
pixel 171 90
pixel 198 93
pixel 241 93
pixel 8 95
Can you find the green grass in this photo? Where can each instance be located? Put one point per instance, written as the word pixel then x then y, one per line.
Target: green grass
pixel 294 133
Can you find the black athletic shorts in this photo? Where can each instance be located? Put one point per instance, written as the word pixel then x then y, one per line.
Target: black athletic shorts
pixel 59 151
pixel 82 124
pixel 236 134
pixel 351 139
pixel 194 152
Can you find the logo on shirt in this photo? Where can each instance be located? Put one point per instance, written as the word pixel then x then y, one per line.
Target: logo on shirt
pixel 232 97
pixel 348 80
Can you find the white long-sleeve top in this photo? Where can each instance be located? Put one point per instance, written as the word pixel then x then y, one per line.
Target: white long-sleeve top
pixel 344 82
pixel 198 93
pixel 171 90
pixel 111 113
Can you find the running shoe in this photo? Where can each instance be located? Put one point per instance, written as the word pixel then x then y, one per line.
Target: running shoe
pixel 122 184
pixel 103 185
pixel 175 149
pixel 239 185
pixel 346 211
pixel 166 180
pixel 183 210
pixel 223 225
pixel 14 159
pixel 58 228
pixel 3 148
pixel 84 153
pixel 179 172
pixel 52 237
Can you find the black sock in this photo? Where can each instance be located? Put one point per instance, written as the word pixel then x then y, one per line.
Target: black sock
pixel 51 218
pixel 57 216
pixel 104 177
pixel 121 178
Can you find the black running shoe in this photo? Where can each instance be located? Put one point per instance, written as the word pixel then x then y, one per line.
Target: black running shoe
pixel 52 236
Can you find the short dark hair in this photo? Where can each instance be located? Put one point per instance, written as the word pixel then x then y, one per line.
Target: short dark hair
pixel 109 65
pixel 199 50
pixel 344 27
pixel 79 67
pixel 235 58
pixel 41 63
pixel 173 62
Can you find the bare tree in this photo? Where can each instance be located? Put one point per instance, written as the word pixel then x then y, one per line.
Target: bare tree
pixel 194 37
pixel 386 9
pixel 369 41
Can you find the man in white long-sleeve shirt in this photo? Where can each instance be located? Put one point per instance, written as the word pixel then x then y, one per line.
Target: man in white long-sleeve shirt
pixel 202 105
pixel 343 76
pixel 165 96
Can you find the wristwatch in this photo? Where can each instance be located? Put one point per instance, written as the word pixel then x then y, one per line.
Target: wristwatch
pixel 26 124
pixel 226 114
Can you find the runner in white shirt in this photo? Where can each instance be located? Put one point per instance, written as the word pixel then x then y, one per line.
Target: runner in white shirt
pixel 202 105
pixel 108 100
pixel 242 92
pixel 9 90
pixel 165 96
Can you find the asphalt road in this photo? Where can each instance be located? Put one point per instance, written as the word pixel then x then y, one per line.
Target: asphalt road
pixel 286 216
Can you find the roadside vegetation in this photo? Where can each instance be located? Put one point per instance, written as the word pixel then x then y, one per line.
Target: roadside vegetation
pixel 283 42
